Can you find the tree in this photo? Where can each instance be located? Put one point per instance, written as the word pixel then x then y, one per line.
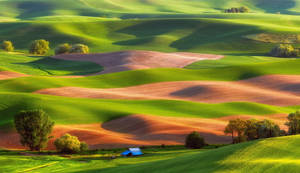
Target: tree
pixel 267 129
pixel 63 48
pixel 244 9
pixel 194 140
pixel 70 144
pixel 34 128
pixel 80 48
pixel 237 127
pixel 7 46
pixel 251 130
pixel 293 123
pixel 284 50
pixel 39 47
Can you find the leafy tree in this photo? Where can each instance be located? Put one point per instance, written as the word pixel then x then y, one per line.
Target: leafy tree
pixel 80 48
pixel 39 47
pixel 244 9
pixel 194 140
pixel 284 50
pixel 237 127
pixel 251 130
pixel 267 129
pixel 63 48
pixel 69 144
pixel 7 46
pixel 293 123
pixel 34 128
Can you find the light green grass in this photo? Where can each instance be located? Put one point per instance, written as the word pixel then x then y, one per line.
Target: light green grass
pixel 207 71
pixel 274 155
pixel 214 33
pixel 65 110
pixel 45 66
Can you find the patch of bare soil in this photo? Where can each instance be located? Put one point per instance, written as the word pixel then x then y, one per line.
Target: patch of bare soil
pixel 9 75
pixel 139 130
pixel 133 60
pixel 281 90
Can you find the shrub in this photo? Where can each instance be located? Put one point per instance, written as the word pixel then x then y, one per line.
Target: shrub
pixel 284 50
pixel 194 140
pixel 84 146
pixel 244 9
pixel 63 48
pixel 7 46
pixel 238 10
pixel 39 47
pixel 69 144
pixel 34 128
pixel 80 48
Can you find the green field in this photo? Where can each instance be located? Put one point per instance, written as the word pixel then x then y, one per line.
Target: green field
pixel 257 156
pixel 62 109
pixel 198 26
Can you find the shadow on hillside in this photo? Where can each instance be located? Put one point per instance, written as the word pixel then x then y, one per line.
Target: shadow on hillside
pixel 275 6
pixel 190 33
pixel 31 9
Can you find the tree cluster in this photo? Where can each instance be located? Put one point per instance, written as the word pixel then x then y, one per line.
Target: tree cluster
pixel 42 47
pixel 284 50
pixel 35 127
pixel 247 130
pixel 238 10
pixel 67 48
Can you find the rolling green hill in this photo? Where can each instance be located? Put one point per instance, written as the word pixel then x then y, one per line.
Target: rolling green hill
pixel 209 33
pixel 256 156
pixel 270 155
pixel 26 9
pixel 63 109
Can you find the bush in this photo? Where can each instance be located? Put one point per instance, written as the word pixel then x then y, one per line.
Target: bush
pixel 244 9
pixel 69 144
pixel 34 128
pixel 284 50
pixel 84 146
pixel 238 10
pixel 194 140
pixel 39 47
pixel 80 48
pixel 7 46
pixel 63 48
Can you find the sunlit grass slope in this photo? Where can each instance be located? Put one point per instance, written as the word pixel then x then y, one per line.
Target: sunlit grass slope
pixel 26 9
pixel 46 66
pixel 138 77
pixel 65 110
pixel 212 33
pixel 273 155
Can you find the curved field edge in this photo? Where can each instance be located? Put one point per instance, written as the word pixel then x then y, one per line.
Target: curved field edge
pixel 256 156
pixel 139 77
pixel 204 34
pixel 45 66
pixel 65 110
